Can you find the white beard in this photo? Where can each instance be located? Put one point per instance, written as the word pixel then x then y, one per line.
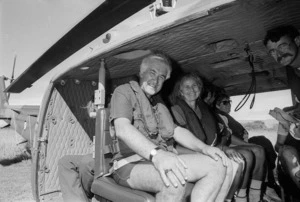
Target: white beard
pixel 148 89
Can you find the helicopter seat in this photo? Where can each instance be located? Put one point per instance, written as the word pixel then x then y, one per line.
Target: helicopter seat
pixel 104 187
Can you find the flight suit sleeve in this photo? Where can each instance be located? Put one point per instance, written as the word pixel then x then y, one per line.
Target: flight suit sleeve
pixel 121 104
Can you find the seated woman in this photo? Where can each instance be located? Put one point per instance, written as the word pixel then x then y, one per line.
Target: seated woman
pixel 208 95
pixel 194 114
pixel 239 137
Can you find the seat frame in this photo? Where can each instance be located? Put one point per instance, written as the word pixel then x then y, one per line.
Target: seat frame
pixel 104 187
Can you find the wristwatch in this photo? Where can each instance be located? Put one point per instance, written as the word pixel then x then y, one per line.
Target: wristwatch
pixel 153 152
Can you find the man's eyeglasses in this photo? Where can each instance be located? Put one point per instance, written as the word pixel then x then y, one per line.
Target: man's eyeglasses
pixel 284 47
pixel 226 102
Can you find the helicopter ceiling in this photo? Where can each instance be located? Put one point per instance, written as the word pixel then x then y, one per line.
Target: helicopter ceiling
pixel 213 44
pixel 209 40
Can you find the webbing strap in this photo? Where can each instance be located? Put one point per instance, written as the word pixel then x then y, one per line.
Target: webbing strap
pixel 134 158
pixel 112 148
pixel 120 163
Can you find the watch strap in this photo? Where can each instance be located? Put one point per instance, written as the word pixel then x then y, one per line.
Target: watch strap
pixel 151 153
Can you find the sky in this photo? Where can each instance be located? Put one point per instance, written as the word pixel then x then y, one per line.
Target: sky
pixel 29 27
pixel 264 102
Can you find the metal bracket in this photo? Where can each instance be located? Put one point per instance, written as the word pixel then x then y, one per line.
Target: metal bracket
pixel 161 7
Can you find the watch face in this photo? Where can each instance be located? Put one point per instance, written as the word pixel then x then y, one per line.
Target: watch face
pixel 153 152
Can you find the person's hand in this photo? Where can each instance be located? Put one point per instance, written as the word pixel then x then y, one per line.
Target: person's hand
pixel 171 168
pixel 234 155
pixel 215 153
pixel 295 130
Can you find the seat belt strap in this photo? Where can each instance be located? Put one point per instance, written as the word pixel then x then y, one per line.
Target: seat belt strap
pixel 117 164
pixel 112 148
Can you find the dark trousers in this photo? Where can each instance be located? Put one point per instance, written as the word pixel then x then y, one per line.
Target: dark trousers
pixel 270 155
pixel 76 175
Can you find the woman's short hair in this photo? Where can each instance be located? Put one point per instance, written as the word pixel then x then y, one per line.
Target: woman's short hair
pixel 176 94
pixel 219 98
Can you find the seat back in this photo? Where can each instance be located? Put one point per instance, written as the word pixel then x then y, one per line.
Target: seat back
pixel 104 144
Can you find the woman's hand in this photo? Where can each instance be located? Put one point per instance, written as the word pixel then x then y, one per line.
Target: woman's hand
pixel 215 153
pixel 234 155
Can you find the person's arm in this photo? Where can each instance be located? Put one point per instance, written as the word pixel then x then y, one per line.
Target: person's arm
pixel 291 108
pixel 162 161
pixel 280 142
pixel 224 138
pixel 237 141
pixel 188 140
pixel 133 137
pixel 282 133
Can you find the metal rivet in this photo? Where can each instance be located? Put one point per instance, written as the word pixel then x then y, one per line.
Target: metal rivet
pixel 62 82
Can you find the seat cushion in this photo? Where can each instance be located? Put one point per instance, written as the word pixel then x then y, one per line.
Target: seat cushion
pixel 107 188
